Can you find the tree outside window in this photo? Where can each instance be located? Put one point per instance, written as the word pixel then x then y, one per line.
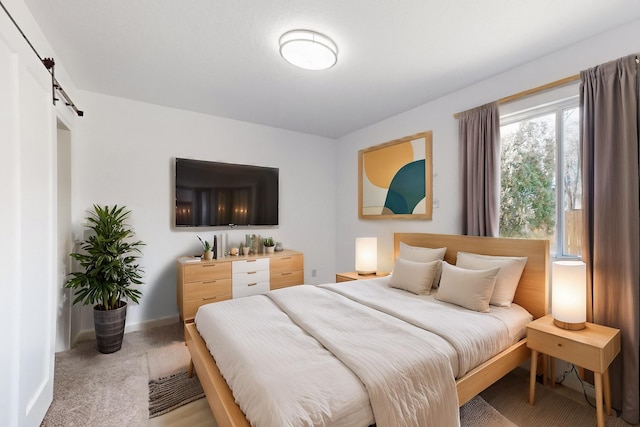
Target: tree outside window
pixel 537 147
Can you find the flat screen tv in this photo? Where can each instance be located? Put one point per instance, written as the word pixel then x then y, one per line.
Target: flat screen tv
pixel 225 194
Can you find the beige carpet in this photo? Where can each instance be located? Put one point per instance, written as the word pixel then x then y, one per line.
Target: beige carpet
pixel 560 407
pixel 94 389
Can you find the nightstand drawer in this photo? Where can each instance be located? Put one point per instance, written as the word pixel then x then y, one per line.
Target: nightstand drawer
pixel 204 271
pixel 578 353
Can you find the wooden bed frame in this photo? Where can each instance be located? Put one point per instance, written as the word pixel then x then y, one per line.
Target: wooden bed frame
pixel 532 294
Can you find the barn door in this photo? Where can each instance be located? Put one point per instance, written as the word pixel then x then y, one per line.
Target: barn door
pixel 27 232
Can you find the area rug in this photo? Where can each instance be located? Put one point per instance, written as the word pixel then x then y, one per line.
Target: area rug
pixel 478 413
pixel 169 393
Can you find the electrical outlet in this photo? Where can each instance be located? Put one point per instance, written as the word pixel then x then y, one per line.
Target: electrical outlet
pixel 314 272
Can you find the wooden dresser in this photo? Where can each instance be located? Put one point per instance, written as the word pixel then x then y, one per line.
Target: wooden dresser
pixel 204 282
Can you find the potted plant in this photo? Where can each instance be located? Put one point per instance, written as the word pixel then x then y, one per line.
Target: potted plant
pixel 207 250
pixel 269 244
pixel 109 262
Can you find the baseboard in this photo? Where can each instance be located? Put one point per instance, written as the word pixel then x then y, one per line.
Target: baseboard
pixel 90 334
pixel 572 381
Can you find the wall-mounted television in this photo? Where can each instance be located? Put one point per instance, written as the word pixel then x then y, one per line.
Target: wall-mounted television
pixel 212 194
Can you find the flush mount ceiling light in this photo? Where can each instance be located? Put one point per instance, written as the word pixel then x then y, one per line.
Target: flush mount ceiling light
pixel 308 49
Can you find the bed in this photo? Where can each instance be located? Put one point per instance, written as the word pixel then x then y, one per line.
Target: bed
pixel 531 294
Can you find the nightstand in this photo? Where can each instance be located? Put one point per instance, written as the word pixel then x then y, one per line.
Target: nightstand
pixel 352 275
pixel 592 348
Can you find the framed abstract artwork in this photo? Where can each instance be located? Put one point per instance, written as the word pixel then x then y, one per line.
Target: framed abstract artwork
pixel 395 179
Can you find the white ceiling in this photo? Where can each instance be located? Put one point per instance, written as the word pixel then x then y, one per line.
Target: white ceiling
pixel 221 57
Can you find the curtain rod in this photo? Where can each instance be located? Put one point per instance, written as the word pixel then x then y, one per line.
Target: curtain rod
pixel 49 64
pixel 535 90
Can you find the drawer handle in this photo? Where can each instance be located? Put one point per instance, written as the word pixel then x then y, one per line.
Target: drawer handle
pixel 209 265
pixel 251 260
pixel 286 257
pixel 210 281
pixel 286 273
pixel 252 284
pixel 559 345
pixel 251 272
pixel 205 299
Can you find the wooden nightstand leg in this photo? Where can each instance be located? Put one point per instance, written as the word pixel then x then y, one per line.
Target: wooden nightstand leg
pixel 532 377
pixel 599 412
pixel 607 391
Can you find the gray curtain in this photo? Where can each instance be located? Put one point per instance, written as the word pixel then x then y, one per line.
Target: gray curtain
pixel 479 135
pixel 611 209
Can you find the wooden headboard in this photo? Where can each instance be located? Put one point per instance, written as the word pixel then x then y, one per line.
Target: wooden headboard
pixel 533 289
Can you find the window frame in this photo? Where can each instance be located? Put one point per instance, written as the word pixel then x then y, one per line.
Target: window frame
pixel 556 107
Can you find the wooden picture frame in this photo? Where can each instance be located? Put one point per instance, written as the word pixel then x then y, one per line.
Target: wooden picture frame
pixel 395 179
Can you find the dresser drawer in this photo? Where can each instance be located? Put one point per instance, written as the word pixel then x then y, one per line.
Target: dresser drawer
pixel 245 266
pixel 242 279
pixel 203 290
pixel 287 263
pixel 578 353
pixel 191 307
pixel 204 271
pixel 254 288
pixel 288 278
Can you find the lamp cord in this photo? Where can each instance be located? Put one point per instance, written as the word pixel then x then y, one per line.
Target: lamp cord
pixel 582 383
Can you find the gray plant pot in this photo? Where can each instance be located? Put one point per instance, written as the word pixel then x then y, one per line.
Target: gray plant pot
pixel 109 326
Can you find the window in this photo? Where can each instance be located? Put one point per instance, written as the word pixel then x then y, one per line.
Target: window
pixel 538 146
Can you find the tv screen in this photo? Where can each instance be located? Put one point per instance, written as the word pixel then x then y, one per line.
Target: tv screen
pixel 225 194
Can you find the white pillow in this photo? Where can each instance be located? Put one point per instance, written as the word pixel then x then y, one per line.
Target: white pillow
pixel 418 254
pixel 467 288
pixel 415 277
pixel 508 278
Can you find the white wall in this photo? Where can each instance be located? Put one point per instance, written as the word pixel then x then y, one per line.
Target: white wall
pixel 123 153
pixel 438 117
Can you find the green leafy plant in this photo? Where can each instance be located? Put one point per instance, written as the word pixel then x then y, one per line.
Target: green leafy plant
pixel 268 241
pixel 206 246
pixel 109 261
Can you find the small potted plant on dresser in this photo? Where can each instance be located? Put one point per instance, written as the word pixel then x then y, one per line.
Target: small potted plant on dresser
pixel 207 250
pixel 269 244
pixel 109 262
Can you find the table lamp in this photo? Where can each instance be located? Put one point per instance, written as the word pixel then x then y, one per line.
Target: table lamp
pixel 569 294
pixel 366 255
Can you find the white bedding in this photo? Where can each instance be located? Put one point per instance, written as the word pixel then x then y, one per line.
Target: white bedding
pixel 406 370
pixel 475 336
pixel 282 376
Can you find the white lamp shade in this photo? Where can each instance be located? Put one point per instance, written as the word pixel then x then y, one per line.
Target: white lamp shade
pixel 366 255
pixel 569 294
pixel 308 49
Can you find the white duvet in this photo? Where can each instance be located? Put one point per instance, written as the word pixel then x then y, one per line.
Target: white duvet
pixel 313 356
pixel 475 336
